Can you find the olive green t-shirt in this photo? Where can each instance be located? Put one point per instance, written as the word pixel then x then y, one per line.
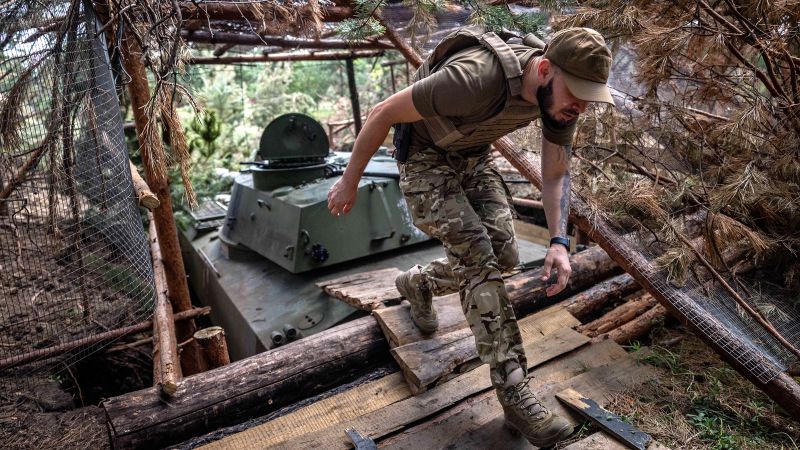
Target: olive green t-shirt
pixel 470 87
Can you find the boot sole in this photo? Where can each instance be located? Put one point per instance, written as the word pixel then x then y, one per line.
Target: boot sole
pixel 557 437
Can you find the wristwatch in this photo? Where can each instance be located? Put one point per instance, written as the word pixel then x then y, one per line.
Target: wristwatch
pixel 560 240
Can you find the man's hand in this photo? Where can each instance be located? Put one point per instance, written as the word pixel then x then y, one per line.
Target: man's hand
pixel 557 258
pixel 342 196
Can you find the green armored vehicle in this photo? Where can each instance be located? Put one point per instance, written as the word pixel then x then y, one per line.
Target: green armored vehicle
pixel 279 208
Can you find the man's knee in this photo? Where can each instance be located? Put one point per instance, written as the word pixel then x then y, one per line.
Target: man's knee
pixel 508 258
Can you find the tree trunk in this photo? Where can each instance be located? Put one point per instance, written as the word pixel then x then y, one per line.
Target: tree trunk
pixel 163 215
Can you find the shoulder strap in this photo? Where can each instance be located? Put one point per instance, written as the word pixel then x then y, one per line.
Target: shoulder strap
pixel 442 130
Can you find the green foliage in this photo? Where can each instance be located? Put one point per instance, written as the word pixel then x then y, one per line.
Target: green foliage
pixel 203 132
pixel 360 29
pixel 497 18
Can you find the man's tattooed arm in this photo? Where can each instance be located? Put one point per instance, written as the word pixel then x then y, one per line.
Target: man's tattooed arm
pixel 565 193
pixel 556 188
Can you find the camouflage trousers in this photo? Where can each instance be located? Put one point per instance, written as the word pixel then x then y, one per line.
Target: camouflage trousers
pixel 464 204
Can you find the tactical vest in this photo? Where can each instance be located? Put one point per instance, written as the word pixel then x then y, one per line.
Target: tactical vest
pixel 516 113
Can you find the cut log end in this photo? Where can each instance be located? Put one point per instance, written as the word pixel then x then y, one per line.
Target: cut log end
pixel 212 343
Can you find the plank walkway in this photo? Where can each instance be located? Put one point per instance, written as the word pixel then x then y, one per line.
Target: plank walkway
pixel 365 290
pixel 460 412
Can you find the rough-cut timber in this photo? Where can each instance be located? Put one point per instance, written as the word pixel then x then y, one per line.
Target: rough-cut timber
pixel 164 219
pixel 622 314
pixel 166 362
pixel 146 197
pixel 583 304
pixel 365 290
pixel 247 388
pixel 276 57
pixel 212 343
pixel 527 292
pixel 636 328
pixel 431 362
pixel 395 321
pixel 223 37
pixel 782 388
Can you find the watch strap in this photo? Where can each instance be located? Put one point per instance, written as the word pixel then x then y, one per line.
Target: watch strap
pixel 560 240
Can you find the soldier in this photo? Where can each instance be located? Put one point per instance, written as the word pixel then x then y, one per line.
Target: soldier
pixel 473 89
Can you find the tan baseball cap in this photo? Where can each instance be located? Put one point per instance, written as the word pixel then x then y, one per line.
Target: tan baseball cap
pixel 585 62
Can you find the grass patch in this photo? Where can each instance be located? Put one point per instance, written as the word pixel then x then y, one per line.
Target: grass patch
pixel 699 402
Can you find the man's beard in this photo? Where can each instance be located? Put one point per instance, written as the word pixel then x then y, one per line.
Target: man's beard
pixel 544 95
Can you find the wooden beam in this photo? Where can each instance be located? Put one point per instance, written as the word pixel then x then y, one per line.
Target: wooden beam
pixel 276 57
pixel 163 216
pixel 166 362
pixel 238 12
pixel 225 37
pixel 355 104
pixel 56 350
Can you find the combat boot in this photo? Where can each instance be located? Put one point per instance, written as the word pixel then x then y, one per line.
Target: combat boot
pixel 526 414
pixel 410 286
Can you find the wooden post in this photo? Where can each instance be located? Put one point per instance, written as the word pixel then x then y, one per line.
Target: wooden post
pixel 163 216
pixel 166 362
pixel 143 192
pixel 212 342
pixel 351 83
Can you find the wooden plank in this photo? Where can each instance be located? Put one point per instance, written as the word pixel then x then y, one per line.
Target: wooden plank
pixel 442 356
pixel 430 362
pixel 480 421
pixel 396 416
pixel 316 416
pixel 605 419
pixel 365 290
pixel 395 321
pixel 602 441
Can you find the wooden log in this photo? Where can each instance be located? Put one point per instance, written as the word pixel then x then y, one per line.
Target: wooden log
pixel 636 328
pixel 212 343
pixel 527 203
pixel 146 197
pixel 247 388
pixel 56 350
pixel 167 371
pixel 527 292
pixel 276 57
pixel 163 216
pixel 779 386
pixel 232 12
pixel 583 304
pixel 622 314
pixel 223 37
